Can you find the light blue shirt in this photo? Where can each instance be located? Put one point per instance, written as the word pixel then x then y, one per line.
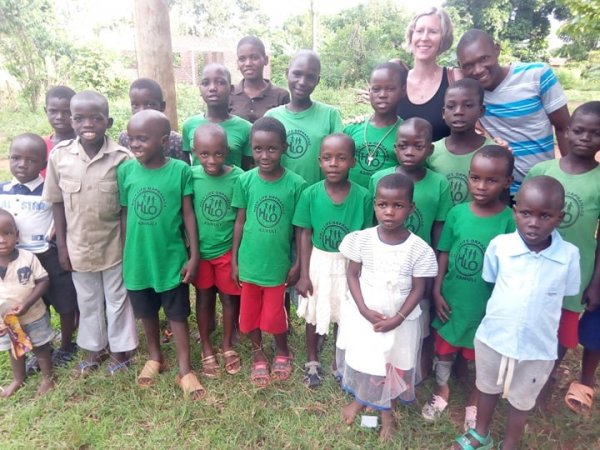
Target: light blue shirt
pixel 522 315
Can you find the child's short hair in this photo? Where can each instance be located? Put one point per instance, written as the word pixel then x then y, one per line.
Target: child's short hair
pixel 550 186
pixel 254 42
pixel 397 181
pixel 270 125
pixel 6 213
pixel 212 130
pixel 592 107
pixel 418 122
pixel 59 92
pixel 445 24
pixel 92 96
pixel 219 66
pixel 35 141
pixel 474 35
pixel 148 85
pixel 342 136
pixel 310 54
pixel 469 84
pixel 396 68
pixel 497 151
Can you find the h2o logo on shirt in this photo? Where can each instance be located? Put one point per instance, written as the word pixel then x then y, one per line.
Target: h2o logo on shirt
pixel 375 154
pixel 414 222
pixel 269 211
pixel 148 203
pixel 469 258
pixel 573 210
pixel 214 206
pixel 332 234
pixel 298 144
pixel 459 187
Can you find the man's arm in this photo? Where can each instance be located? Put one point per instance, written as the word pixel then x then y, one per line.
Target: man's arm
pixel 560 121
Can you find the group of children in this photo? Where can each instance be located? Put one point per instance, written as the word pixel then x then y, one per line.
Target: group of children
pixel 291 200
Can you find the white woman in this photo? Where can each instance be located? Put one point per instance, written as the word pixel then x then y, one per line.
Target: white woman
pixel 429 34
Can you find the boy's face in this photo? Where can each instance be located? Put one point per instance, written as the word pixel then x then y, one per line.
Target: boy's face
pixel 90 121
pixel 536 215
pixel 211 151
pixel 385 91
pixel 413 145
pixel 8 235
pixel 488 179
pixel 336 159
pixel 215 87
pixel 303 76
pixel 462 109
pixel 26 161
pixel 58 112
pixel 392 207
pixel 142 99
pixel 146 140
pixel 267 149
pixel 479 60
pixel 251 62
pixel 583 135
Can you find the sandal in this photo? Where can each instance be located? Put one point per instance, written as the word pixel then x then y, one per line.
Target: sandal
pixel 313 374
pixel 190 386
pixel 210 366
pixel 259 374
pixel 148 374
pixel 434 408
pixel 167 336
pixel 580 398
pixel 466 441
pixel 232 362
pixel 115 366
pixel 85 368
pixel 282 368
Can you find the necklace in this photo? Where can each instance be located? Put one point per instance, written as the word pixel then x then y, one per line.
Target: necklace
pixel 371 153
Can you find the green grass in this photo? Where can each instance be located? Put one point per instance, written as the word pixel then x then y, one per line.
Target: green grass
pixel 112 412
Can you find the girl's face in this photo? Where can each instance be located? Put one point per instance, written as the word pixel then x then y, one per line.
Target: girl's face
pixel 392 207
pixel 251 62
pixel 385 91
pixel 426 38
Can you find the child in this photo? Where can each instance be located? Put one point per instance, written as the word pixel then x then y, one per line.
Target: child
pixel 374 136
pixel 266 198
pixel 515 345
pixel 327 211
pixel 22 285
pixel 579 174
pixel 145 93
pixel 255 95
pixel 22 197
pixel 214 183
pixel 463 107
pixel 525 105
pixel 386 276
pixel 58 112
pixel 306 122
pixel 81 184
pixel 215 88
pixel 459 293
pixel 156 199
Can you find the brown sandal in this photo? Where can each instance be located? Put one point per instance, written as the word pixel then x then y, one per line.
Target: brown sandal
pixel 232 362
pixel 210 367
pixel 580 398
pixel 148 374
pixel 190 386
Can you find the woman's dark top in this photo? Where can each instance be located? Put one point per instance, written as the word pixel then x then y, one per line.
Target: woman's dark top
pixel 431 110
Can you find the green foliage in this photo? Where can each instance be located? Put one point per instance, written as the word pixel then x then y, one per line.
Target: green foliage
pixel 581 30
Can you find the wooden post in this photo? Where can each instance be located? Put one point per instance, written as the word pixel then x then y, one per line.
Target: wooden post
pixel 153 49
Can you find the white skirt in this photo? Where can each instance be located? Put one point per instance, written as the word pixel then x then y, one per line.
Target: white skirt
pixel 330 288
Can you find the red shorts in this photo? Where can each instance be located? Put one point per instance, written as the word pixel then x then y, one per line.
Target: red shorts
pixel 216 272
pixel 568 335
pixel 442 347
pixel 263 308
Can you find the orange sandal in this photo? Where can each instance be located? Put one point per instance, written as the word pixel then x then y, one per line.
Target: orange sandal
pixel 282 368
pixel 580 398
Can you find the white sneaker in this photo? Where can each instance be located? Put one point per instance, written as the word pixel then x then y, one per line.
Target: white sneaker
pixel 470 417
pixel 434 408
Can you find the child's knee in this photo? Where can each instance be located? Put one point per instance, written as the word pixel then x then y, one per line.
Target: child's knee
pixel 442 369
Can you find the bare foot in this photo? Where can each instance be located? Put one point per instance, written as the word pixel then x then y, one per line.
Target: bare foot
pixel 46 385
pixel 388 426
pixel 11 389
pixel 350 411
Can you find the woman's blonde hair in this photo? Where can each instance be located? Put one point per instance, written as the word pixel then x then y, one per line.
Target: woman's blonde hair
pixel 445 24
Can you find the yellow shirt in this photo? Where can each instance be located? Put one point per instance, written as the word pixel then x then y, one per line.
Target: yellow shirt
pixel 88 188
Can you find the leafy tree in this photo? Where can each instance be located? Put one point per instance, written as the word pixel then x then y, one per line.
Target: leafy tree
pixel 581 29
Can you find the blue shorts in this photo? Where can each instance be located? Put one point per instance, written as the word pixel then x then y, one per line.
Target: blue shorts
pixel 589 330
pixel 39 331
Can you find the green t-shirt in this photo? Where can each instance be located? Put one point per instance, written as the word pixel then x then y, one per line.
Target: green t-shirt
pixel 155 250
pixel 305 131
pixel 238 137
pixel 465 238
pixel 330 221
pixel 373 154
pixel 264 253
pixel 432 201
pixel 579 226
pixel 455 168
pixel 214 215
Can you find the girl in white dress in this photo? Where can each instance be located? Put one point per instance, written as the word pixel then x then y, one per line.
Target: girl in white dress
pixel 379 329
